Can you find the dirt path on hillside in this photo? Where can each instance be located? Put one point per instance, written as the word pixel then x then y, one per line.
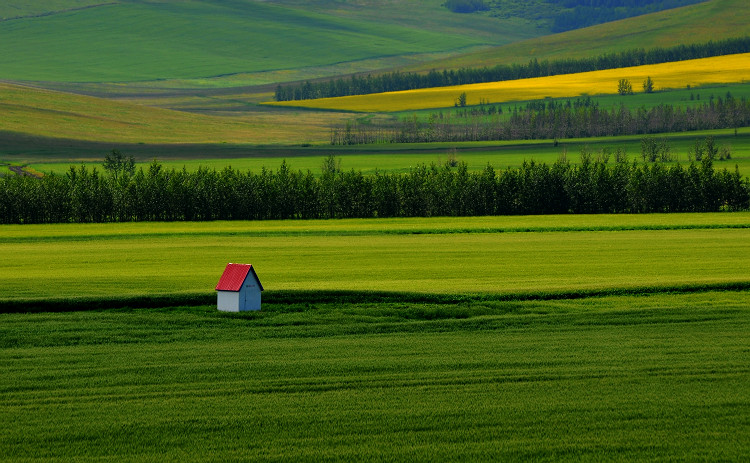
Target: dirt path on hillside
pixel 18 170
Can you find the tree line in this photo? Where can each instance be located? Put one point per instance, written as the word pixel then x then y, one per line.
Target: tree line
pixel 548 120
pixel 395 81
pixel 156 194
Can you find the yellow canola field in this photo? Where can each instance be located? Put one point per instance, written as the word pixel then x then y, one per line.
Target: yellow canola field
pixel 720 69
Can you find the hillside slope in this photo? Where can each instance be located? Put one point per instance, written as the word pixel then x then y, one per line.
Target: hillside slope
pixel 120 40
pixel 42 114
pixel 11 9
pixel 713 20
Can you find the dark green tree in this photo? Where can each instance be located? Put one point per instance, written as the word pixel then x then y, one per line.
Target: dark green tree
pixel 116 163
pixel 624 87
pixel 648 85
pixel 461 100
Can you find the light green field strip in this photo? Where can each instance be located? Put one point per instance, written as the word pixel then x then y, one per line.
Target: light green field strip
pixel 616 379
pixel 393 226
pixel 131 259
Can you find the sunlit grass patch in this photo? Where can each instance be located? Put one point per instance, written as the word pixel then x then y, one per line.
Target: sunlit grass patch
pixel 441 255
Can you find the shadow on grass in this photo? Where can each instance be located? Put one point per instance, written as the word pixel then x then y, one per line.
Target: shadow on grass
pixel 300 299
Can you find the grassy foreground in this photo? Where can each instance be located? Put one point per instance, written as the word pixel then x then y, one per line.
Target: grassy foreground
pixel 619 378
pixel 638 377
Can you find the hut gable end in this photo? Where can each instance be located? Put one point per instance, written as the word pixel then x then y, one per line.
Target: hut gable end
pixel 236 274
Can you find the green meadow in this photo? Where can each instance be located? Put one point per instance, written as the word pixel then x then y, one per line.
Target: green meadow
pixel 126 41
pixel 488 255
pixel 628 378
pixel 545 338
pixel 542 338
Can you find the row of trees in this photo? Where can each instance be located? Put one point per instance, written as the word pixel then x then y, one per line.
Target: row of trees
pixel 360 85
pixel 156 194
pixel 550 121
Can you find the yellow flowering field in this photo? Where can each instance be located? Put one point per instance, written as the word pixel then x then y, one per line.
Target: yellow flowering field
pixel 719 69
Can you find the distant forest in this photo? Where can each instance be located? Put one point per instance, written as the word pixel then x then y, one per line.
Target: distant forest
pixel 466 6
pixel 579 118
pixel 157 194
pixel 395 81
pixel 565 15
pixel 583 13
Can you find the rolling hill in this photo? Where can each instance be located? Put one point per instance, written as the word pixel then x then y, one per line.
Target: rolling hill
pixel 700 23
pixel 83 41
pixel 199 43
pixel 72 42
pixel 66 117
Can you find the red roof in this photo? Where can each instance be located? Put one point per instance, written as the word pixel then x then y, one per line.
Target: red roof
pixel 234 275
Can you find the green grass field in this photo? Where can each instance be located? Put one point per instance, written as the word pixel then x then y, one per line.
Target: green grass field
pixel 35 115
pixel 114 41
pixel 490 255
pixel 544 338
pixel 459 362
pixel 30 9
pixel 659 377
pixel 137 41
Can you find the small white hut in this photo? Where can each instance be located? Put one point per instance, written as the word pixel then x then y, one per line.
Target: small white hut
pixel 238 289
